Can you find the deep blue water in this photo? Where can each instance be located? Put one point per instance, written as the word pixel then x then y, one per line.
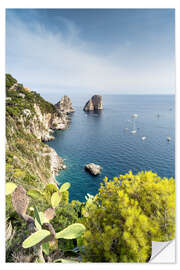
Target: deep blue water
pixel 101 138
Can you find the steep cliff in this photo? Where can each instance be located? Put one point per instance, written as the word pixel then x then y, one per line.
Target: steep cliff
pixel 30 120
pixel 95 103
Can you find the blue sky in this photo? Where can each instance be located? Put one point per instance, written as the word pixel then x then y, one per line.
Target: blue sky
pixel 87 51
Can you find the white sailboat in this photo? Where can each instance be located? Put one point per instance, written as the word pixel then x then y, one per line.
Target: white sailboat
pixel 134 116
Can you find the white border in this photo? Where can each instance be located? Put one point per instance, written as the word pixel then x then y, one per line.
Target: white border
pixel 78 4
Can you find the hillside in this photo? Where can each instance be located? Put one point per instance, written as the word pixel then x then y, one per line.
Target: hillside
pixel 30 120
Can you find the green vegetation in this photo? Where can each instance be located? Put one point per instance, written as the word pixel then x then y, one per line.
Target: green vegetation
pixel 44 232
pixel 121 220
pixel 10 81
pixel 20 99
pixel 126 215
pixel 27 158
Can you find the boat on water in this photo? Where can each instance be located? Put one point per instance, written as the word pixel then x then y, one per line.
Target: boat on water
pixel 168 138
pixel 135 115
pixel 143 138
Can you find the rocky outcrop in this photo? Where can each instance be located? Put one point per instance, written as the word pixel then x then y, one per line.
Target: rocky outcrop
pixel 56 164
pixel 64 105
pixel 95 103
pixel 30 120
pixel 93 168
pixel 42 125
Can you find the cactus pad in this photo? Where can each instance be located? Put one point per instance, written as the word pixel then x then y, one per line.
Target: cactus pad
pixel 65 187
pixel 20 200
pixel 55 199
pixel 36 194
pixel 49 214
pixel 71 232
pixel 10 187
pixel 35 238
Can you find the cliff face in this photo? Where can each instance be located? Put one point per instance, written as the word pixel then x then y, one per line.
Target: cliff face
pixel 30 120
pixel 95 103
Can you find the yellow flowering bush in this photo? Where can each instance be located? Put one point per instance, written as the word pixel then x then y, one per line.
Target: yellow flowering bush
pixel 126 215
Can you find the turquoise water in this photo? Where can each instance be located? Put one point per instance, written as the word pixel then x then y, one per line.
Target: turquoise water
pixel 101 138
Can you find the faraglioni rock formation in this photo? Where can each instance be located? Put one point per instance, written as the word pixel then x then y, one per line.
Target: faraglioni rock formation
pixel 65 105
pixel 94 169
pixel 95 103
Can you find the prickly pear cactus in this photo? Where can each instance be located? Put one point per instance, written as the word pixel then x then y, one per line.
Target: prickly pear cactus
pixel 35 238
pixel 49 214
pixel 65 187
pixel 20 200
pixel 36 194
pixel 10 187
pixel 55 199
pixel 71 232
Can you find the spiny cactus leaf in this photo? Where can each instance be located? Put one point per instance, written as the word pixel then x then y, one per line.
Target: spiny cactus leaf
pixel 36 194
pixel 55 199
pixel 49 214
pixel 65 187
pixel 71 232
pixel 10 187
pixel 20 200
pixel 35 238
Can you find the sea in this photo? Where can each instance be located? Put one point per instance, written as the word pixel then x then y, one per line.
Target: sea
pixel 105 138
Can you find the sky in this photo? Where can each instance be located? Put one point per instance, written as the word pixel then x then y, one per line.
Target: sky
pixel 92 51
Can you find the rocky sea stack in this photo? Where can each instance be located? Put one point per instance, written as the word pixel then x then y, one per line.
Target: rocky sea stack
pixel 95 103
pixel 65 105
pixel 94 169
pixel 64 108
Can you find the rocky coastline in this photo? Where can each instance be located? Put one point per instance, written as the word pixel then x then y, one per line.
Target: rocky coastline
pixel 31 121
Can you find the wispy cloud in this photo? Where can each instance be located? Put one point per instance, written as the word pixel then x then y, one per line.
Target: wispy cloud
pixel 51 61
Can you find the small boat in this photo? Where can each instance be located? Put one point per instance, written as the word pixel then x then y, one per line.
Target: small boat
pixel 126 129
pixel 143 138
pixel 133 131
pixel 169 139
pixel 135 115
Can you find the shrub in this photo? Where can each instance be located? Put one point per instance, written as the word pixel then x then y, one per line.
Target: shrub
pixel 124 217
